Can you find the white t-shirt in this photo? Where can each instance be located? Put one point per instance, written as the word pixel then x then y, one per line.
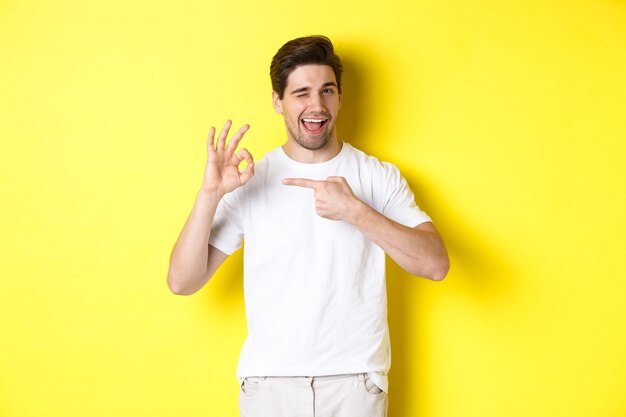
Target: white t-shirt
pixel 314 288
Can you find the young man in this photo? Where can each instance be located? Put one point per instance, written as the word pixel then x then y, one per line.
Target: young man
pixel 318 216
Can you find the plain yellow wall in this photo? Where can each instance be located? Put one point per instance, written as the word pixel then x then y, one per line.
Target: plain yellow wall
pixel 507 118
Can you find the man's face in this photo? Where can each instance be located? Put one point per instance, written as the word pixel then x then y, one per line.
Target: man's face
pixel 310 105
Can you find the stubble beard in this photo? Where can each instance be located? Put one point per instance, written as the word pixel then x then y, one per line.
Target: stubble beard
pixel 313 144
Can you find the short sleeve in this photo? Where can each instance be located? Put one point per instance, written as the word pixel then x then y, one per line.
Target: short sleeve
pixel 227 228
pixel 399 204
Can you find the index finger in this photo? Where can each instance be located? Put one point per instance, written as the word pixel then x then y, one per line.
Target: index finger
pixel 234 141
pixel 303 182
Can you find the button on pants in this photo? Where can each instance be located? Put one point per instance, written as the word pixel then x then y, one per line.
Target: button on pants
pixel 351 395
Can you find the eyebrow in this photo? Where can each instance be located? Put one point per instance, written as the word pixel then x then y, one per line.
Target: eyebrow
pixel 303 89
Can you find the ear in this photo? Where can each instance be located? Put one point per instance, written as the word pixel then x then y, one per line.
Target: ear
pixel 277 102
pixel 340 97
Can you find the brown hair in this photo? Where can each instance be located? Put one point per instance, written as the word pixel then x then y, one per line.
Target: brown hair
pixel 302 51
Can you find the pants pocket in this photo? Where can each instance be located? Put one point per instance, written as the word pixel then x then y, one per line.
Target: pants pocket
pixel 370 387
pixel 250 386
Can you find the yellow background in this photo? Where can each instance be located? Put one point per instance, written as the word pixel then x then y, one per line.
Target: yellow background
pixel 507 118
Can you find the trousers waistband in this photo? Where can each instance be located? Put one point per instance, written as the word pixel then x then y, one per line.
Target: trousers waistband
pixel 320 378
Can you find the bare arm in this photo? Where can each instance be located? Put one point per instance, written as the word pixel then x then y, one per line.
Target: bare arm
pixel 193 261
pixel 419 250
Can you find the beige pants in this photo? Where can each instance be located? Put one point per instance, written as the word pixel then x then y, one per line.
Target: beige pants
pixel 352 395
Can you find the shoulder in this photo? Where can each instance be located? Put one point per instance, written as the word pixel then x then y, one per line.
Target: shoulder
pixel 267 160
pixel 371 163
pixel 262 166
pixel 262 170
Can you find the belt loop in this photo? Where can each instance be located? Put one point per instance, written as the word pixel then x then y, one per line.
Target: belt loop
pixel 362 377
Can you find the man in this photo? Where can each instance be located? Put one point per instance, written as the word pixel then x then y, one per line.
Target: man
pixel 318 216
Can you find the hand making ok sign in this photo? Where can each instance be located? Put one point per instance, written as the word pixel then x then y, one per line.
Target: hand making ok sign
pixel 222 173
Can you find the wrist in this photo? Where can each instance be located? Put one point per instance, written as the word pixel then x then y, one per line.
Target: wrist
pixel 210 195
pixel 360 213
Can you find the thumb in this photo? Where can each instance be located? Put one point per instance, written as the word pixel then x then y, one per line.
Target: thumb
pixel 247 173
pixel 337 179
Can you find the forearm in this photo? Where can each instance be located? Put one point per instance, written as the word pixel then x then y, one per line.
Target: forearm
pixel 188 261
pixel 417 251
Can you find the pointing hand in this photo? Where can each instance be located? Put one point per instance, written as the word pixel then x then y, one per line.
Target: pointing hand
pixel 334 198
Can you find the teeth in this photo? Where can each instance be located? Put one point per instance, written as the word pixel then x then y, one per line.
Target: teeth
pixel 312 120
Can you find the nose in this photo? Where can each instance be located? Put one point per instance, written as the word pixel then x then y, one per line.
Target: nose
pixel 316 103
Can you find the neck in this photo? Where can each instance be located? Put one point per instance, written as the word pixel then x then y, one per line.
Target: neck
pixel 307 156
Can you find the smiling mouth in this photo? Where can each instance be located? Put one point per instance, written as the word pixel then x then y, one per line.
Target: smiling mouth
pixel 313 125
